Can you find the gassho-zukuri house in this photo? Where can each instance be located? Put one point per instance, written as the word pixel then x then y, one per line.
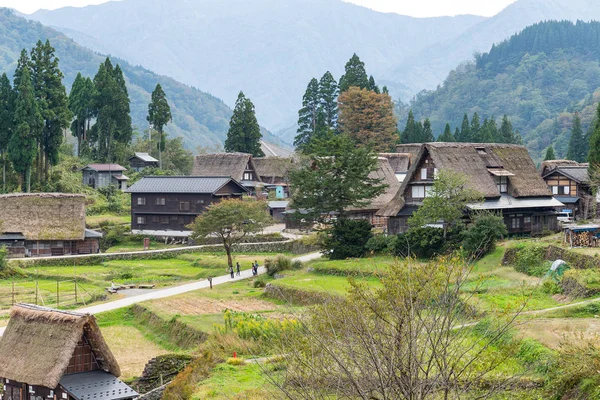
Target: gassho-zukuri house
pixel 504 174
pixel 59 355
pixel 45 224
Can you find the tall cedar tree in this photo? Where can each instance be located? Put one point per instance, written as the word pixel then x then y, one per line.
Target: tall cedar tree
pixel 355 75
pixel 112 130
pixel 489 131
pixel 7 110
pixel 368 118
pixel 53 104
pixel 244 132
pixel 507 135
pixel 22 147
pixel 475 129
pixel 335 177
pixel 410 134
pixel 465 131
pixel 577 146
pixel 81 104
pixel 447 135
pixel 594 154
pixel 308 115
pixel 550 155
pixel 328 95
pixel 427 134
pixel 373 86
pixel 159 114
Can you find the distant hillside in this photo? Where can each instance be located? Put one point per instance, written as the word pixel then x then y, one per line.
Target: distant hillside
pixel 538 77
pixel 200 118
pixel 270 49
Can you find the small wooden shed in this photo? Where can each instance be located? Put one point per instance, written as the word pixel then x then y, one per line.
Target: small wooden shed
pixel 582 235
pixel 51 354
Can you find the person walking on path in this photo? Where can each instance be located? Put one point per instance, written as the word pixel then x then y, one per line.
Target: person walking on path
pixel 237 268
pixel 231 272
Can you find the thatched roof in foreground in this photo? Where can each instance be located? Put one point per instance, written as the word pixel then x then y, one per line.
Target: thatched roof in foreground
pixel 223 164
pixel 400 162
pixel 43 216
pixel 475 161
pixel 38 344
pixel 386 174
pixel 269 168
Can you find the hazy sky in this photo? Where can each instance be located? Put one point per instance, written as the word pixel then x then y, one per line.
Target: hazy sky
pixel 415 8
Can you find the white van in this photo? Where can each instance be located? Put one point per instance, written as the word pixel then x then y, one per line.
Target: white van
pixel 565 216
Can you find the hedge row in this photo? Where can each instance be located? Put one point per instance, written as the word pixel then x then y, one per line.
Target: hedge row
pixel 552 253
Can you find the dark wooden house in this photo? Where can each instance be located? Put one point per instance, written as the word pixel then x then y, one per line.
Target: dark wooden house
pixel 504 174
pixel 239 166
pixel 164 206
pixel 569 183
pixel 59 355
pixel 139 161
pixel 45 224
pixel 274 173
pixel 103 175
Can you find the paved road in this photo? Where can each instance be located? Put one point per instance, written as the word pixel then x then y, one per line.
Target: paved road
pixel 174 291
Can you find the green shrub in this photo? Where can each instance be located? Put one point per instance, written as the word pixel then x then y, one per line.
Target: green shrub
pixel 529 259
pixel 347 238
pixel 482 235
pixel 255 327
pixel 551 287
pixel 259 282
pixel 581 282
pixel 236 361
pixel 426 242
pixel 381 244
pixel 114 234
pixel 3 259
pixel 281 263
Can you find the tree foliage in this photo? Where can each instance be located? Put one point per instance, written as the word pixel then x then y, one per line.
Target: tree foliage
pixel 577 150
pixel 550 155
pixel 481 237
pixel 347 238
pixel 159 115
pixel 244 132
pixel 355 75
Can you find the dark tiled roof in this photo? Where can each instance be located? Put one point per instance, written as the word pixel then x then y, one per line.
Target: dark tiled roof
pixel 578 174
pixel 96 385
pixel 181 184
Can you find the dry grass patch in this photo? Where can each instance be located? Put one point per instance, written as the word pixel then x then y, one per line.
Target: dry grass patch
pixel 199 305
pixel 131 349
pixel 552 331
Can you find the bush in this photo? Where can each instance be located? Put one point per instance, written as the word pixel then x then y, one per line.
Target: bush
pixel 529 259
pixel 236 361
pixel 114 235
pixel 3 259
pixel 581 282
pixel 347 239
pixel 426 242
pixel 259 282
pixel 281 263
pixel 255 327
pixel 381 244
pixel 481 237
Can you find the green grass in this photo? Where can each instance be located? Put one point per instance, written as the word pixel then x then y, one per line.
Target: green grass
pixel 354 267
pixel 228 381
pixel 311 281
pixel 94 221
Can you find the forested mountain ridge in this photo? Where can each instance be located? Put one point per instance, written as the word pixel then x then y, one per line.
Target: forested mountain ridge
pixel 267 48
pixel 200 118
pixel 539 78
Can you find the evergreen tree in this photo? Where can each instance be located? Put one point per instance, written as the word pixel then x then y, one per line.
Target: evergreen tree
pixel 506 134
pixel 307 116
pixel 159 114
pixel 447 135
pixel 355 75
pixel 456 134
pixel 328 94
pixel 465 131
pixel 475 129
pixel 489 131
pixel 594 146
pixel 244 132
pixel 385 90
pixel 81 104
pixel 22 147
pixel 409 133
pixel 373 86
pixel 52 100
pixel 427 133
pixel 550 155
pixel 7 110
pixel 577 146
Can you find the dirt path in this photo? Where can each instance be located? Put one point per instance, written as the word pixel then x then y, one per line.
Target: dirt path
pixel 174 291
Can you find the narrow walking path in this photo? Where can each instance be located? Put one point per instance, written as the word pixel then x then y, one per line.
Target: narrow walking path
pixel 176 290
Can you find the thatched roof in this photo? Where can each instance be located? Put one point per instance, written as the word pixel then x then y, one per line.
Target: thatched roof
pixel 571 169
pixel 271 168
pixel 476 161
pixel 273 150
pixel 43 216
pixel 386 174
pixel 38 343
pixel 223 164
pixel 400 162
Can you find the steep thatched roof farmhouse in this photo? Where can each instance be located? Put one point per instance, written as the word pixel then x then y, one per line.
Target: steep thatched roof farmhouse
pixel 37 219
pixel 58 354
pixel 274 170
pixel 504 174
pixel 400 163
pixel 239 166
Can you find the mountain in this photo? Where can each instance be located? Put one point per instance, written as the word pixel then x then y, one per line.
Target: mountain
pixel 270 49
pixel 429 67
pixel 539 78
pixel 200 118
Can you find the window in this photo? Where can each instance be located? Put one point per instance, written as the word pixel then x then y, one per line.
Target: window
pixel 502 184
pixel 418 192
pixel 141 201
pixel 155 219
pixel 164 219
pixel 566 190
pixel 423 173
pixel 161 201
pixel 247 176
pixel 516 223
pixel 527 220
pixel 141 220
pixel 554 189
pixel 184 206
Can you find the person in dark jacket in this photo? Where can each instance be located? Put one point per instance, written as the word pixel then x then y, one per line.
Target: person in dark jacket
pixel 237 268
pixel 231 272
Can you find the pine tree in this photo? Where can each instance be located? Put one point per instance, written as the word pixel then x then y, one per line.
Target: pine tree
pixel 385 90
pixel 447 135
pixel 244 132
pixel 506 134
pixel 7 110
pixel 465 131
pixel 456 134
pixel 22 147
pixel 577 146
pixel 328 95
pixel 159 114
pixel 52 100
pixel 124 131
pixel 489 131
pixel 594 153
pixel 81 104
pixel 409 133
pixel 307 116
pixel 355 75
pixel 475 129
pixel 550 155
pixel 373 86
pixel 427 134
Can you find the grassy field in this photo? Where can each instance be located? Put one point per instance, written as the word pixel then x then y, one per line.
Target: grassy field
pixel 95 221
pixel 237 382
